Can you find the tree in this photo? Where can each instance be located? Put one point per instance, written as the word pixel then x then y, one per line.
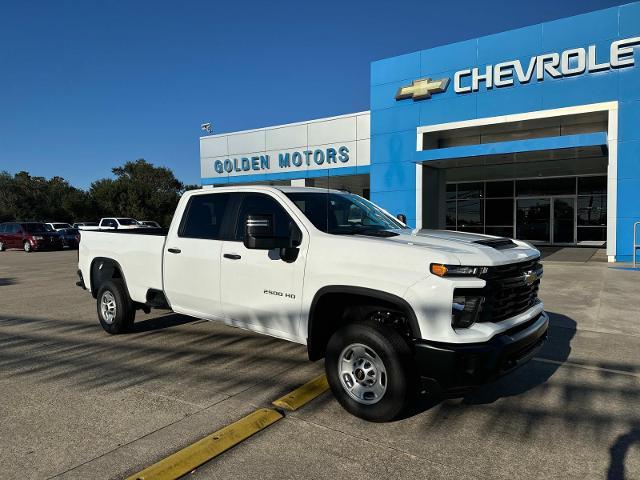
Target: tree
pixel 139 190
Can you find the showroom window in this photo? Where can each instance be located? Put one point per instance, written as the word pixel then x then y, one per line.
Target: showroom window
pixel 557 210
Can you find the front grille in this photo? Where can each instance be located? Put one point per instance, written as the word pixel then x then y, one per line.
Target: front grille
pixel 507 292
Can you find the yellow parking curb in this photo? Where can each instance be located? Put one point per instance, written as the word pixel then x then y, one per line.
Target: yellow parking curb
pixel 191 457
pixel 304 394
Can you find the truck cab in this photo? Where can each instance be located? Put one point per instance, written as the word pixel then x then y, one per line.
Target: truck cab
pixel 390 309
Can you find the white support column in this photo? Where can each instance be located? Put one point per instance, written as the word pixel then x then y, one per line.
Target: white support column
pixel 612 182
pixel 418 196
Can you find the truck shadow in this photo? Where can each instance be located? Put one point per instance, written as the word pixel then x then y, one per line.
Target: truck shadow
pixel 554 353
pixel 160 323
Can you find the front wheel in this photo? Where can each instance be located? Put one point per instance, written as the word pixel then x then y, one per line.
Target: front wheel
pixel 369 370
pixel 1 246
pixel 115 309
pixel 27 247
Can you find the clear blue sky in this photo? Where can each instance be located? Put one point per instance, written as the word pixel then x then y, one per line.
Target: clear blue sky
pixel 87 85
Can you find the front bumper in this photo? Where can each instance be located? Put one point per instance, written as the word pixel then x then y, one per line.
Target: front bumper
pixel 47 245
pixel 456 368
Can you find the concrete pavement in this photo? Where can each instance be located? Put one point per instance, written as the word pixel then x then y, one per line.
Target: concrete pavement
pixel 78 403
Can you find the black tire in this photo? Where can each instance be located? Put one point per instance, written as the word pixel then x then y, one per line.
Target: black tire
pixel 395 354
pixel 26 246
pixel 122 320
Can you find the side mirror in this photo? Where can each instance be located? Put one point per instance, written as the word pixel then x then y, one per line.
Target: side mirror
pixel 259 233
pixel 402 217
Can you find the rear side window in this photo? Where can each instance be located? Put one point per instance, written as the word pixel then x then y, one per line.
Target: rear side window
pixel 204 215
pixel 261 204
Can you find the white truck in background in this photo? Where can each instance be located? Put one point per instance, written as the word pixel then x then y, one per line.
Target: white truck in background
pixel 389 308
pixel 118 223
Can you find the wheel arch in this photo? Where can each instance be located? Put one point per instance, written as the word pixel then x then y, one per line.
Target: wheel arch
pixel 319 332
pixel 103 269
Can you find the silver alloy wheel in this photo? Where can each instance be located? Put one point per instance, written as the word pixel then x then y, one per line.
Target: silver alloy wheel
pixel 362 374
pixel 108 307
pixel 27 247
pixel 1 246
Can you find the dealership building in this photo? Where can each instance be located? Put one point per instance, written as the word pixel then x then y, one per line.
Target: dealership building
pixel 532 133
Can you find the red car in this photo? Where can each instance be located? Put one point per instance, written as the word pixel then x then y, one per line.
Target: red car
pixel 28 236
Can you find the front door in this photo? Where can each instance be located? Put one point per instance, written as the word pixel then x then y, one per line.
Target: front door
pixel 564 220
pixel 192 256
pixel 259 289
pixel 546 220
pixel 533 219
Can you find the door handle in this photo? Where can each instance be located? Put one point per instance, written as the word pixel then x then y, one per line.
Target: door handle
pixel 232 256
pixel 173 250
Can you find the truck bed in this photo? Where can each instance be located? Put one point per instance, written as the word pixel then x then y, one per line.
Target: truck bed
pixel 137 251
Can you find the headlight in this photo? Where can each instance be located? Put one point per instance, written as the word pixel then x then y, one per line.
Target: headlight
pixel 456 270
pixel 38 237
pixel 465 310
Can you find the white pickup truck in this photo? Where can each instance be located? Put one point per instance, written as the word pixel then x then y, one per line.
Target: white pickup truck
pixel 390 309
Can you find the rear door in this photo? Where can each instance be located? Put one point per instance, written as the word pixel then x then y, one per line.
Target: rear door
pixel 191 268
pixel 15 235
pixel 258 288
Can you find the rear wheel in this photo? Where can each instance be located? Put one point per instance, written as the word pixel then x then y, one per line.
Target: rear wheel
pixel 1 246
pixel 115 309
pixel 369 370
pixel 27 247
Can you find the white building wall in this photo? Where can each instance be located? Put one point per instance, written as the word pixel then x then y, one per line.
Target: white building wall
pixel 351 131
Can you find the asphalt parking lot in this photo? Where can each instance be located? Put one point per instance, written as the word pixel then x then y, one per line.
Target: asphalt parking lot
pixel 78 403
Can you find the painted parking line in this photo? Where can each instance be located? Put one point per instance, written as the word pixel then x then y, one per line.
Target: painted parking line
pixel 304 394
pixel 594 368
pixel 189 458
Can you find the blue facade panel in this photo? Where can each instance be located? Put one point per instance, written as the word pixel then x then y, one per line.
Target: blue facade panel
pixel 394 123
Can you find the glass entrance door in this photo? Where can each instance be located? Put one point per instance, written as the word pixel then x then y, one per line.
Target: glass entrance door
pixel 547 220
pixel 564 220
pixel 533 219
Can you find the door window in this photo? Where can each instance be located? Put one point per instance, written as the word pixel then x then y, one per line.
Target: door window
pixel 204 216
pixel 563 220
pixel 261 204
pixel 533 219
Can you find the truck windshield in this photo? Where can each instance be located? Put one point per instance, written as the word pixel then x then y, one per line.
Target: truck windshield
pixel 343 213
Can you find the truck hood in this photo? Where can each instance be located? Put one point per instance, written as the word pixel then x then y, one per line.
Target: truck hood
pixel 465 247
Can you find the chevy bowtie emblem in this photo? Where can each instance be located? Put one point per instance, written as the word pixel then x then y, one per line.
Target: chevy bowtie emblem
pixel 530 278
pixel 422 88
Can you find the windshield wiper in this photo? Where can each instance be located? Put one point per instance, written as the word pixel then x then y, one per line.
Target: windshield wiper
pixel 371 232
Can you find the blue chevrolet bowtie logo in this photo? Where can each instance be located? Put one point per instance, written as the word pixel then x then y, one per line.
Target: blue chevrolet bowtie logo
pixel 422 88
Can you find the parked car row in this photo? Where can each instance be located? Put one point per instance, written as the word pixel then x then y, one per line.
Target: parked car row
pixel 30 236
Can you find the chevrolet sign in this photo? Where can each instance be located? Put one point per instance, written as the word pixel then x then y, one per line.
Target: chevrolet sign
pixel 569 63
